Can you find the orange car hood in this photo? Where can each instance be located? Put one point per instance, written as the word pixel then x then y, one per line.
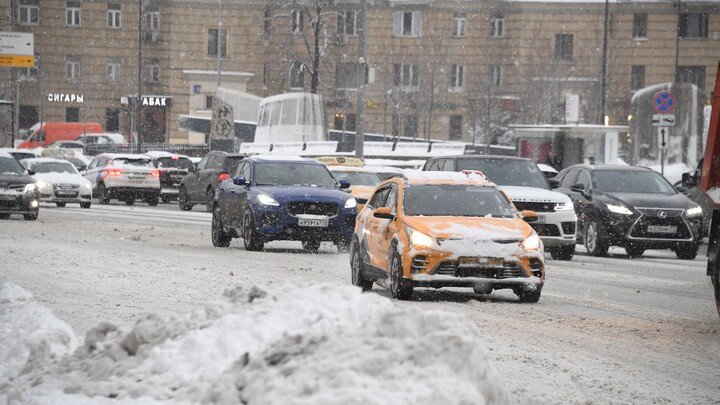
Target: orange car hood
pixel 470 227
pixel 362 191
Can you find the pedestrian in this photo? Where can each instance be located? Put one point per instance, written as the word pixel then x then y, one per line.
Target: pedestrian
pixel 553 161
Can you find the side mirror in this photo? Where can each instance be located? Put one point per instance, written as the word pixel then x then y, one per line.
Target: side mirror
pixel 554 183
pixel 384 213
pixel 239 181
pixel 681 189
pixel 529 216
pixel 578 188
pixel 688 180
pixel 31 172
pixel 344 183
pixel 82 168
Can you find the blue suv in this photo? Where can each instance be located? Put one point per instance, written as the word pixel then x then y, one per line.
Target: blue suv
pixel 282 198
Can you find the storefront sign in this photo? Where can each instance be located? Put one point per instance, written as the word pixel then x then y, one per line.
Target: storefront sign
pixel 65 98
pixel 156 101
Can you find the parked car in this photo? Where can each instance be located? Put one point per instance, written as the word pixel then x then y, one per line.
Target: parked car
pixel 199 186
pixel 362 182
pixel 689 185
pixel 528 189
pixel 51 132
pixel 126 177
pixel 20 154
pixel 58 181
pixel 633 207
pixel 282 198
pixel 18 193
pixel 102 139
pixel 446 230
pixel 75 146
pixel 173 168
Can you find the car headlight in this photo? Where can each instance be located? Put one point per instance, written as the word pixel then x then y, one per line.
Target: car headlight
pixel 29 188
pixel 420 240
pixel 265 199
pixel 619 209
pixel 87 185
pixel 350 203
pixel 694 211
pixel 566 206
pixel 532 242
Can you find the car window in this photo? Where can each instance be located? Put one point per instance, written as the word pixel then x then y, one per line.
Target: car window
pixel 246 171
pixel 457 200
pixel 10 166
pixel 230 163
pixel 378 199
pixel 391 200
pixel 569 178
pixel 584 179
pixel 506 171
pixel 293 174
pixel 203 162
pixel 632 181
pixel 54 167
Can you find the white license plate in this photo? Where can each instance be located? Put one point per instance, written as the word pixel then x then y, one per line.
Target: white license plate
pixel 313 223
pixel 8 197
pixel 541 219
pixel 65 192
pixel 470 261
pixel 661 229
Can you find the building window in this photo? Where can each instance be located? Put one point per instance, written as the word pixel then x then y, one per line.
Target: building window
pixel 459 22
pixel 694 25
pixel 297 76
pixel 347 23
pixel 72 68
pixel 457 77
pixel 637 77
pixel 455 127
pixel 29 12
pixel 692 74
pixel 267 22
pixel 113 70
pixel 152 71
pixel 496 75
pixel 406 76
pixel 407 23
pixel 411 126
pixel 298 20
pixel 113 16
pixel 564 47
pixel 153 20
pixel 72 14
pixel 497 26
pixel 213 42
pixel 72 114
pixel 395 125
pixel 209 102
pixel 112 119
pixel 266 74
pixel 639 26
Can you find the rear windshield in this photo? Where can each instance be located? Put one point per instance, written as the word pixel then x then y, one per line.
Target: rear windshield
pixel 358 178
pixel 54 167
pixel 10 166
pixel 132 162
pixel 455 200
pixel 507 172
pixel 174 162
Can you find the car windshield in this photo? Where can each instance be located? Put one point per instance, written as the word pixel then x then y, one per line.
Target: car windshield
pixel 54 167
pixel 22 155
pixel 358 178
pixel 507 172
pixel 176 162
pixel 455 200
pixel 632 181
pixel 10 166
pixel 131 162
pixel 293 174
pixel 76 162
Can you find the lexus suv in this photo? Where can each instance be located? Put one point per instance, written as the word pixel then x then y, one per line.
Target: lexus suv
pixel 126 177
pixel 633 207
pixel 528 189
pixel 282 198
pixel 18 193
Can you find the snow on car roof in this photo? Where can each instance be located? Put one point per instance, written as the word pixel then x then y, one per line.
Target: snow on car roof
pixel 546 168
pixel 349 169
pixel 155 154
pixel 45 160
pixel 465 177
pixel 126 156
pixel 281 158
pixel 5 154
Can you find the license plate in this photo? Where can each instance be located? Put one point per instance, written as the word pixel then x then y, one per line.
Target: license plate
pixel 8 197
pixel 541 219
pixel 661 229
pixel 313 223
pixel 470 261
pixel 136 176
pixel 65 192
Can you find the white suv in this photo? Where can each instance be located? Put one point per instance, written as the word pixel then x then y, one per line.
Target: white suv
pixel 126 177
pixel 528 189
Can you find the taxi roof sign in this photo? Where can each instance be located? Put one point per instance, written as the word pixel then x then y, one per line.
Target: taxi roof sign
pixel 340 161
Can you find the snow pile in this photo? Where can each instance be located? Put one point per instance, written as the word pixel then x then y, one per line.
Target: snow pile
pixel 30 335
pixel 289 344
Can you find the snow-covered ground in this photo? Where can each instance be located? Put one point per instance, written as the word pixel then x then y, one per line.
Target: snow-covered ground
pixel 605 330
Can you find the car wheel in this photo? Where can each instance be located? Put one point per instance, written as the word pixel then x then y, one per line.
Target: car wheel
pixel 687 251
pixel 209 197
pixel 166 200
pixel 183 200
pixel 311 245
pixel 356 269
pixel 343 245
pixel 593 238
pixel 130 201
pixel 634 250
pixel 399 287
pixel 483 289
pixel 715 279
pixel 4 216
pixel 31 217
pixel 60 204
pixel 103 194
pixel 529 296
pixel 251 239
pixel 562 252
pixel 85 205
pixel 153 201
pixel 220 238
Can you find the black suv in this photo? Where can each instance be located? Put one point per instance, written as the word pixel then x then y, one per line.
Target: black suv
pixel 173 168
pixel 199 186
pixel 18 194
pixel 633 207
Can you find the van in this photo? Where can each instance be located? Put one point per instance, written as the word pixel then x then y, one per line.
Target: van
pixel 51 132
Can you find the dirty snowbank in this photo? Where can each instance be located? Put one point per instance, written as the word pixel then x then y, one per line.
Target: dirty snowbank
pixel 285 344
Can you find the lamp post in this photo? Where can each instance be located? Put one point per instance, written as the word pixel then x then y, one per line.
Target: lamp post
pixel 361 69
pixel 138 98
pixel 603 75
pixel 219 38
pixel 677 41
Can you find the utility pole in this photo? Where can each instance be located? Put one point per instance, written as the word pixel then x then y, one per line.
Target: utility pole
pixel 360 76
pixel 139 80
pixel 677 41
pixel 219 38
pixel 603 75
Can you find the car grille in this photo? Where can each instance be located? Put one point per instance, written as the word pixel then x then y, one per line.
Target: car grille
pixel 535 206
pixel 640 230
pixel 450 268
pixel 16 187
pixel 659 212
pixel 568 227
pixel 546 229
pixel 66 186
pixel 312 208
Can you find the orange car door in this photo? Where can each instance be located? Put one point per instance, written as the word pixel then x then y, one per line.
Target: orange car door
pixel 385 231
pixel 372 224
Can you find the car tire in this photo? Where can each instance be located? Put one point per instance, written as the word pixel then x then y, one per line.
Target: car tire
pixel 129 201
pixel 562 252
pixel 60 204
pixel 343 245
pixel 715 280
pixel 251 240
pixel 4 216
pixel 183 200
pixel 103 194
pixel 153 201
pixel 593 239
pixel 399 287
pixel 166 200
pixel 209 197
pixel 634 250
pixel 220 238
pixel 687 251
pixel 356 269
pixel 85 205
pixel 311 245
pixel 31 217
pixel 529 296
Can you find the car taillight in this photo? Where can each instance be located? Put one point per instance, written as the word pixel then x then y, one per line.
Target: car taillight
pixel 223 176
pixel 155 173
pixel 113 171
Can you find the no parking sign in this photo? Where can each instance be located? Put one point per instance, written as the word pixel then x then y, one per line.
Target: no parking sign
pixel 664 102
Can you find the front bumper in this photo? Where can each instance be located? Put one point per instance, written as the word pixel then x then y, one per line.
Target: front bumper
pixel 18 202
pixel 624 230
pixel 557 228
pixel 276 224
pixel 54 198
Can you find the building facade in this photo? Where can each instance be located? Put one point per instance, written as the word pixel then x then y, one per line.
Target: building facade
pixel 447 69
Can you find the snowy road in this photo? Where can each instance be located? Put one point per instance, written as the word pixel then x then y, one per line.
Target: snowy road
pixel 606 329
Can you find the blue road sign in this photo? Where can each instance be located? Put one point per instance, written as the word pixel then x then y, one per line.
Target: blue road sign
pixel 664 102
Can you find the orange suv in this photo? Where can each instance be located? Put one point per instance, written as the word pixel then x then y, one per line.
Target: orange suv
pixel 444 229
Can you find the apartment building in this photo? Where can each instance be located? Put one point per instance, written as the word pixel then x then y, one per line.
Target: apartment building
pixel 445 69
